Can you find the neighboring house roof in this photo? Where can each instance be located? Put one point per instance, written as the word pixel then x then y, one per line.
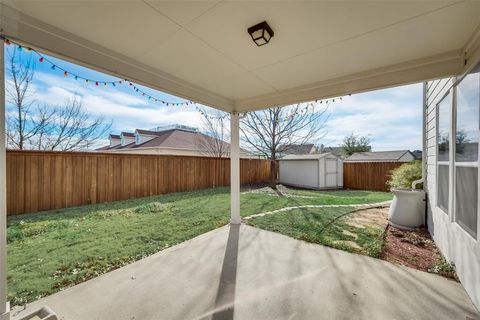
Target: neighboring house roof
pixel 114 136
pixel 338 151
pixel 104 148
pixel 297 148
pixel 417 154
pixel 174 139
pixel 149 132
pixel 379 156
pixel 128 134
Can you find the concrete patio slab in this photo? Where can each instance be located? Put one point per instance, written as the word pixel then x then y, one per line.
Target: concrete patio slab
pixel 241 272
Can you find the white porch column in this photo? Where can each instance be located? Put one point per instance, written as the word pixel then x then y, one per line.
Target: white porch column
pixel 234 169
pixel 4 308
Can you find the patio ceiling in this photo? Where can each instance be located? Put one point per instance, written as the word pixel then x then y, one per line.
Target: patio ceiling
pixel 200 50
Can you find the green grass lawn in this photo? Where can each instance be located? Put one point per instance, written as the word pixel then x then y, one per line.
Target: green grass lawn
pixel 53 250
pixel 326 226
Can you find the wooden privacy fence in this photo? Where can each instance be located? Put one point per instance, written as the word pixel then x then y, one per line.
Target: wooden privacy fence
pixel 368 175
pixel 38 181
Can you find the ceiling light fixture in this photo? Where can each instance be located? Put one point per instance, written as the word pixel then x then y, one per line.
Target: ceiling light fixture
pixel 261 33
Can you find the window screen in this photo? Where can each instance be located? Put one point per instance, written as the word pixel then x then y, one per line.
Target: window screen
pixel 443 139
pixel 443 149
pixel 468 104
pixel 442 187
pixel 466 191
pixel 466 152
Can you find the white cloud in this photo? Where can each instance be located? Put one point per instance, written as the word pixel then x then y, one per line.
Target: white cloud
pixel 127 111
pixel 391 117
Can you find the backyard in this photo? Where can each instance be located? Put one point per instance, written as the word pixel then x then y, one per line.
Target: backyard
pixel 53 250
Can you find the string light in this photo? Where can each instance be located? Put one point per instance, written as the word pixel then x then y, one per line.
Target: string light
pixel 66 73
pixel 138 90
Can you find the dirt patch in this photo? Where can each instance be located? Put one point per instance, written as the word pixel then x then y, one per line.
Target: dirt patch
pixel 415 249
pixel 351 234
pixel 375 217
pixel 348 243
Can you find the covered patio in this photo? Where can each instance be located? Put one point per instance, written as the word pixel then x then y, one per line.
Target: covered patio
pixel 242 272
pixel 201 51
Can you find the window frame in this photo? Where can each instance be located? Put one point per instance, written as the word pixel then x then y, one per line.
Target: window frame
pixel 445 97
pixel 455 164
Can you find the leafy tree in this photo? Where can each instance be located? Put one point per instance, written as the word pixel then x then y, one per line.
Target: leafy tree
pixel 355 143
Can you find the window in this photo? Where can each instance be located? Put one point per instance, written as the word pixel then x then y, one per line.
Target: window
pixel 466 152
pixel 443 149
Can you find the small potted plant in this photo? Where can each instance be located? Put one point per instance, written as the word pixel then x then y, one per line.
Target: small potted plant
pixel 407 210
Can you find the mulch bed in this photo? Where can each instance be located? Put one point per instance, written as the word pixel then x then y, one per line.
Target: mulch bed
pixel 414 249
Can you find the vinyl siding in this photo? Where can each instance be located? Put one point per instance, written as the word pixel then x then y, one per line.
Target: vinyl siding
pixel 455 244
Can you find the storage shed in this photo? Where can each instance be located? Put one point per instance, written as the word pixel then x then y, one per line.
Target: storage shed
pixel 312 171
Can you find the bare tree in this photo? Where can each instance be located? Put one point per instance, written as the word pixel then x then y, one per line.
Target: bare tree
pixel 266 132
pixel 215 126
pixel 355 143
pixel 30 126
pixel 23 122
pixel 70 128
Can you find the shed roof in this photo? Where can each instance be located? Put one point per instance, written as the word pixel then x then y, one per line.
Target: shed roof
pixel 308 156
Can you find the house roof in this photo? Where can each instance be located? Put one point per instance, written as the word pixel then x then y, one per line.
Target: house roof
pixel 296 148
pixel 417 154
pixel 149 132
pixel 338 151
pixel 378 156
pixel 174 138
pixel 114 136
pixel 128 134
pixel 104 148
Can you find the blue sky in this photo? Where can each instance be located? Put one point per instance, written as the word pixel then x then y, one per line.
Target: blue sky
pixel 391 117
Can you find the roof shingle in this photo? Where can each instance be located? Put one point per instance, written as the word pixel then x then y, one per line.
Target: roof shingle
pixel 377 156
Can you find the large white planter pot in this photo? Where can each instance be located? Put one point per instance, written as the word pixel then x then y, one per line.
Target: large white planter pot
pixel 407 210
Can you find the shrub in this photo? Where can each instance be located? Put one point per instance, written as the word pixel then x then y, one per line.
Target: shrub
pixel 403 176
pixel 444 268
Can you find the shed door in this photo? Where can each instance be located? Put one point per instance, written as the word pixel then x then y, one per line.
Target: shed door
pixel 331 171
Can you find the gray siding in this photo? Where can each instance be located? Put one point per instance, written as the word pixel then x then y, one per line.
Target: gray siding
pixel 455 244
pixel 436 90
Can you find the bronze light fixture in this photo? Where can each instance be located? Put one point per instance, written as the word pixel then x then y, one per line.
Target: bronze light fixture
pixel 261 33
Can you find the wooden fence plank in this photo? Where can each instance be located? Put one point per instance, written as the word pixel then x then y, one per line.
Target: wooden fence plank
pixel 368 175
pixel 38 180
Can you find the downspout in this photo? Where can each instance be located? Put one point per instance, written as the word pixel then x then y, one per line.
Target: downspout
pixel 424 152
pixel 424 136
